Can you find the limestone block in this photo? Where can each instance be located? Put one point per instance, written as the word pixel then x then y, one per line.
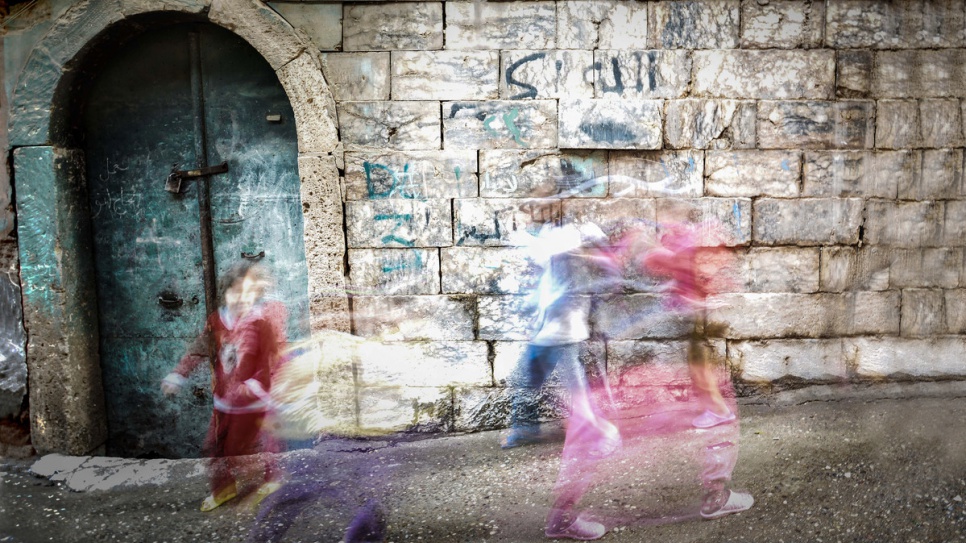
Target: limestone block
pixel 392 26
pixel 942 123
pixel 643 174
pixel 785 24
pixel 605 24
pixel 613 215
pixel 752 173
pixel 404 409
pixel 394 125
pixel 775 269
pixel 904 224
pixel 522 173
pixel 769 75
pixel 853 73
pixel 919 74
pixel 954 302
pixel 546 74
pixel 399 223
pixel 954 225
pixel 860 173
pixel 260 26
pixel 848 268
pixel 693 25
pixel 732 215
pixel 862 24
pixel 641 74
pixel 710 124
pixel 488 408
pixel 658 365
pixel 809 359
pixel 893 357
pixel 445 75
pixel 508 354
pixel 775 315
pixel 610 124
pixel 380 174
pixel 486 270
pixel 922 312
pixel 638 316
pixel 320 22
pixel 394 271
pixel 500 124
pixel 928 267
pixel 312 104
pixel 504 318
pixel 898 124
pixel 491 221
pixel 807 221
pixel 423 363
pixel 500 25
pixel 815 125
pixel 942 176
pixel 356 76
pixel 414 318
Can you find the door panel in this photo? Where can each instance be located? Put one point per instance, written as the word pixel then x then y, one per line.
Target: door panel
pixel 139 124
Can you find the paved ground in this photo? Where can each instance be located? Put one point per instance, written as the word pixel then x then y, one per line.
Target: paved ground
pixel 884 463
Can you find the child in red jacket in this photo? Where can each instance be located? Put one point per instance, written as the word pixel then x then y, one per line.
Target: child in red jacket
pixel 244 340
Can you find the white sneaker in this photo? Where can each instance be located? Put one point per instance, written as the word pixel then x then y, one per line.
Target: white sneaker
pixel 580 529
pixel 737 502
pixel 709 419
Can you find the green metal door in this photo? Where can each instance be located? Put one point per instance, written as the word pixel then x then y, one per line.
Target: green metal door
pixel 183 97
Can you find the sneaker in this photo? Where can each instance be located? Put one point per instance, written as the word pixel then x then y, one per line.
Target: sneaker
pixel 737 502
pixel 518 438
pixel 709 419
pixel 215 499
pixel 580 529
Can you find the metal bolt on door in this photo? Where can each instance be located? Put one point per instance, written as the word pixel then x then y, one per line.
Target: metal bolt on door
pixel 191 166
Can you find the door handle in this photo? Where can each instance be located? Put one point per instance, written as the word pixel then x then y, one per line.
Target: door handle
pixel 253 256
pixel 169 301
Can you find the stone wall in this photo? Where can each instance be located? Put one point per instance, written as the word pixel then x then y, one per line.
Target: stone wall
pixel 828 138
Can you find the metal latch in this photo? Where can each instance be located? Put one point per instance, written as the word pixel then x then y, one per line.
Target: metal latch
pixel 173 183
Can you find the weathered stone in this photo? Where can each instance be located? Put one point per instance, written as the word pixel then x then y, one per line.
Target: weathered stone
pixel 445 75
pixel 546 74
pixel 954 225
pixel 920 74
pixel 31 100
pixel 898 124
pixel 410 174
pixel 810 359
pixel 739 74
pixel 485 270
pixel 507 356
pixel 394 271
pixel 853 73
pixel 610 124
pixel 500 124
pixel 770 315
pixel 491 221
pixel 942 123
pixel 389 409
pixel 312 104
pixel 658 364
pixel 504 318
pixel 922 312
pixel 641 74
pixel 321 22
pixel 638 316
pixel 356 76
pixel 13 349
pixel 881 268
pixel 500 25
pixel 414 318
pixel 733 216
pixel 848 268
pixel 752 173
pixel 955 304
pixel 392 26
pixel 904 224
pixel 843 124
pixel 929 267
pixel 807 221
pixel 399 222
pixel 693 25
pixel 393 125
pixel 893 357
pixel 778 269
pixel 488 408
pixel 858 24
pixel 582 23
pixel 424 364
pixel 710 124
pixel 860 173
pixel 942 176
pixel 785 24
pixel 266 30
pixel 656 173
pixel 522 173
pixel 613 215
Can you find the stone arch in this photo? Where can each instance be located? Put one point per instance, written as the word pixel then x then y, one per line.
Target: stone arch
pixel 66 395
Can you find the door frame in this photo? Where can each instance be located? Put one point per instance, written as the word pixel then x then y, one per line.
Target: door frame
pixel 67 412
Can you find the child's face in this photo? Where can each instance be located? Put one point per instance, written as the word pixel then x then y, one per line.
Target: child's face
pixel 242 295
